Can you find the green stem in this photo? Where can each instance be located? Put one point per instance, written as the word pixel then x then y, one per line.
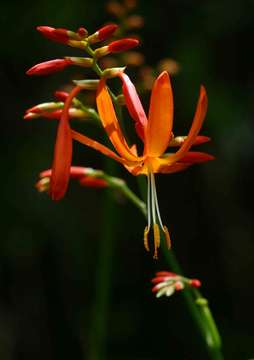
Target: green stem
pixel 199 310
pixel 99 323
pixel 196 304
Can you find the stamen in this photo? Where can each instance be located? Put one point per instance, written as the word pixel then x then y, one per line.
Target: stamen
pixel 156 239
pixel 148 201
pixel 146 232
pixel 167 236
pixel 156 201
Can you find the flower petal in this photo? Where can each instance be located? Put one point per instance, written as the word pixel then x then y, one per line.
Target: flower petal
pixel 62 152
pixel 196 157
pixel 110 123
pixel 134 105
pixel 196 125
pixel 97 146
pixel 160 119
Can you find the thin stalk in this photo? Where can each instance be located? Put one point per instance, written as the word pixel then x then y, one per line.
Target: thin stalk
pixel 99 323
pixel 196 304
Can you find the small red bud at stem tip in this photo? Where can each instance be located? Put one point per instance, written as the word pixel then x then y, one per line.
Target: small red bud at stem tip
pixel 122 45
pixel 106 31
pixel 82 32
pixel 195 283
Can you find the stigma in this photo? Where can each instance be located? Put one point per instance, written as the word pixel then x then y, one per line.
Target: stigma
pixel 154 221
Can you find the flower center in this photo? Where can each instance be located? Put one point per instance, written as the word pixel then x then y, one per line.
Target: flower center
pixel 154 218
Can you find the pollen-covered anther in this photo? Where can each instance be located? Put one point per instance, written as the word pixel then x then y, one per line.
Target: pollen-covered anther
pixel 146 232
pixel 156 239
pixel 167 236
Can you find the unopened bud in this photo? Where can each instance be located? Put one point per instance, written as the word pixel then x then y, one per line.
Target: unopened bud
pixel 61 95
pixel 113 72
pixel 123 45
pixel 63 36
pixel 102 34
pixel 82 32
pixel 49 67
pixel 179 285
pixel 121 99
pixel 30 116
pixel 80 61
pixel 87 84
pixel 43 184
pixel 90 181
pixel 195 283
pixel 45 107
pixel 49 32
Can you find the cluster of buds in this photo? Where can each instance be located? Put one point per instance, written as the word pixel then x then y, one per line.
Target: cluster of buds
pixel 167 283
pixel 80 39
pixel 54 109
pixel 85 176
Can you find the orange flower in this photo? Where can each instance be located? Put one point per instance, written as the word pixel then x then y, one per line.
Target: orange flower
pixel 156 133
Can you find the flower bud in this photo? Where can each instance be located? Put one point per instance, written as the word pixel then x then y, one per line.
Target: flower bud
pixel 49 67
pixel 43 184
pixel 80 61
pixel 90 181
pixel 62 35
pixel 102 34
pixel 82 32
pixel 30 116
pixel 116 46
pixel 121 99
pixel 61 95
pixel 195 283
pixel 113 72
pixel 87 84
pixel 122 45
pixel 45 107
pixel 49 32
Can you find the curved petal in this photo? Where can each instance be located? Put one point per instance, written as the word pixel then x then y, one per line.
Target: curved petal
pixel 62 152
pixel 179 140
pixel 160 119
pixel 196 157
pixel 196 125
pixel 99 147
pixel 110 123
pixel 134 105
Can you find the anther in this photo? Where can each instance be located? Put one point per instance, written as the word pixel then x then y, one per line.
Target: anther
pixel 146 232
pixel 167 236
pixel 156 239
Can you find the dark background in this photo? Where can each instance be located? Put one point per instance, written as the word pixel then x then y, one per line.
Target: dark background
pixel 49 251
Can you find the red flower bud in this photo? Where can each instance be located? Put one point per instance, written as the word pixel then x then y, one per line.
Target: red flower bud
pixel 61 95
pixel 91 181
pixel 58 35
pixel 195 283
pixel 122 45
pixel 75 172
pixel 49 67
pixel 106 31
pixel 82 32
